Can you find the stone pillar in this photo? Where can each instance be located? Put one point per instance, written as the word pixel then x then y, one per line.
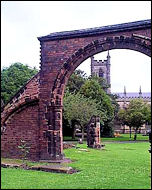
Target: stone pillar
pixel 54 134
pixel 93 133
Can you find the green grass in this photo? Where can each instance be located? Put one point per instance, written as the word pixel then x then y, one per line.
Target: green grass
pixel 126 137
pixel 118 166
pixel 123 137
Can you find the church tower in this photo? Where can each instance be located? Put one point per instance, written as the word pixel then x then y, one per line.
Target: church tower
pixel 102 69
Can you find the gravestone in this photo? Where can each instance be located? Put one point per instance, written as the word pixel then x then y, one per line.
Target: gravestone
pixel 93 133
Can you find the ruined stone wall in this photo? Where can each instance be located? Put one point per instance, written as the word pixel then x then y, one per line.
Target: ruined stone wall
pixel 29 92
pixel 22 125
pixel 19 120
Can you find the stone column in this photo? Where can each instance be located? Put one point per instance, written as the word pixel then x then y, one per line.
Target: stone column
pixel 54 134
pixel 93 133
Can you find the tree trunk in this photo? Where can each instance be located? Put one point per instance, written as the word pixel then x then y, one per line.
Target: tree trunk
pixel 73 132
pixel 130 132
pixel 82 133
pixel 135 136
pixel 73 129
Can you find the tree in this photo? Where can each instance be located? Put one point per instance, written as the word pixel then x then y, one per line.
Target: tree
pixel 103 83
pixel 77 108
pixel 92 89
pixel 136 114
pixel 76 80
pixel 115 104
pixel 13 78
pixel 122 116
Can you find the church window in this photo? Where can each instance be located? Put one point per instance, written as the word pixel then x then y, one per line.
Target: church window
pixel 100 72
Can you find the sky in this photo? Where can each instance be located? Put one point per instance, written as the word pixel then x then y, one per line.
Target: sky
pixel 23 21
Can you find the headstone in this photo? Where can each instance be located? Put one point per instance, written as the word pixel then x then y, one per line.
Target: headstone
pixel 93 133
pixel 80 141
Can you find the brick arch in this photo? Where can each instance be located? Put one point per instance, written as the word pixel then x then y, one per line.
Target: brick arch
pixel 22 106
pixel 60 54
pixel 52 123
pixel 119 42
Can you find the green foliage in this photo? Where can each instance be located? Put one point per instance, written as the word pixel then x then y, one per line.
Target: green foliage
pixel 24 150
pixel 13 78
pixel 92 89
pixel 135 115
pixel 115 105
pixel 107 129
pixel 76 80
pixel 123 117
pixel 138 112
pixel 79 108
pixel 101 81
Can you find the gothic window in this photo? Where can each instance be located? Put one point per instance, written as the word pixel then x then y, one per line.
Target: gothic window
pixel 100 72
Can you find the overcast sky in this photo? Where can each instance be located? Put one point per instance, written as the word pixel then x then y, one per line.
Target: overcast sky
pixel 24 21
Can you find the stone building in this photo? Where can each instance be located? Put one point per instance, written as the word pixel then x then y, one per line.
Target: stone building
pixel 124 98
pixel 102 69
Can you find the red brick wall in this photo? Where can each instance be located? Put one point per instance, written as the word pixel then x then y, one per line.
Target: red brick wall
pixel 22 125
pixel 20 117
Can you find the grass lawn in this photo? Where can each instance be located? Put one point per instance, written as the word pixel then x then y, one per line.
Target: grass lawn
pixel 118 166
pixel 123 137
pixel 126 137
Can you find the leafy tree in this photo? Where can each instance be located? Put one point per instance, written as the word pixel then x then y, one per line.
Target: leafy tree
pixel 80 109
pixel 92 89
pixel 103 83
pixel 13 78
pixel 76 80
pixel 115 104
pixel 123 118
pixel 136 114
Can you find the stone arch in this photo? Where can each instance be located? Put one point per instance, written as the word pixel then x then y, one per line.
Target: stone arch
pixel 61 53
pixel 18 109
pixel 142 45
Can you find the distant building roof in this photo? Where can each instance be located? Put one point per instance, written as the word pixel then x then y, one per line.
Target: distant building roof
pixel 134 94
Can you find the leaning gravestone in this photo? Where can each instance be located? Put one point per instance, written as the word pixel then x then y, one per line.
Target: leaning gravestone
pixel 93 133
